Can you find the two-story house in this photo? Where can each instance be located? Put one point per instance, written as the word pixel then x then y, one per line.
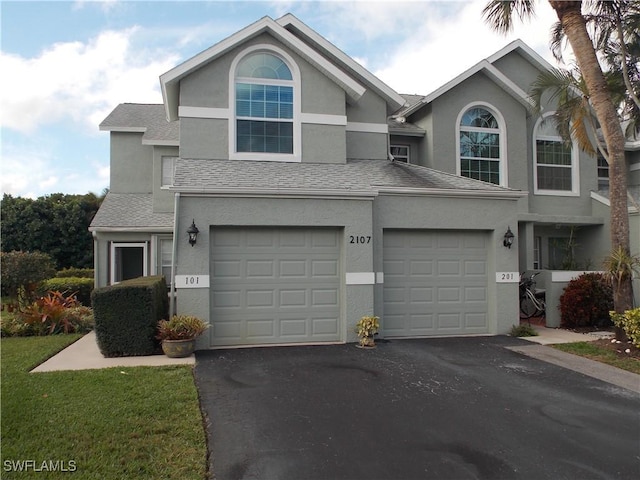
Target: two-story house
pixel 284 192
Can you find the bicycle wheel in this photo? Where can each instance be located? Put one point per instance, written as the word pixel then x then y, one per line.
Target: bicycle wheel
pixel 527 307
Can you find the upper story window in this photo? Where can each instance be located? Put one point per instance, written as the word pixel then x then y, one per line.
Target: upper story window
pixel 400 153
pixel 264 105
pixel 480 146
pixel 603 172
pixel 168 168
pixel 556 165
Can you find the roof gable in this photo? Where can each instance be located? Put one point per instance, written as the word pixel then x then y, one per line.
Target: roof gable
pixel 487 67
pixel 310 36
pixel 170 80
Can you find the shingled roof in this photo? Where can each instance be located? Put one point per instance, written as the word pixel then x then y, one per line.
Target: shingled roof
pixel 130 211
pixel 354 177
pixel 149 119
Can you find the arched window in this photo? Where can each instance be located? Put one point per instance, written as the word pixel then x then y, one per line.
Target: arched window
pixel 480 147
pixel 264 104
pixel 556 164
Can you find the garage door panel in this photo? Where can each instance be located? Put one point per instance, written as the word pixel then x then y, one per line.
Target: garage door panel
pixel 449 268
pixel 259 269
pixel 325 268
pixel 435 282
pixel 275 285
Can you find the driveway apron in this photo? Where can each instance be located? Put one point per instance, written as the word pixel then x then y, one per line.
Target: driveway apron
pixel 449 408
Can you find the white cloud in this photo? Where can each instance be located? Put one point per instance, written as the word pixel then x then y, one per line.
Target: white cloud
pixel 79 81
pixel 445 45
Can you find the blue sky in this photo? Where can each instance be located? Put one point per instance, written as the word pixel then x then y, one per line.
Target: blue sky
pixel 66 65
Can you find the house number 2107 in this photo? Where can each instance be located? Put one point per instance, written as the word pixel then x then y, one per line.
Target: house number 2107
pixel 359 239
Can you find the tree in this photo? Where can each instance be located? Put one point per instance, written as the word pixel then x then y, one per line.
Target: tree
pixel 54 224
pixel 499 14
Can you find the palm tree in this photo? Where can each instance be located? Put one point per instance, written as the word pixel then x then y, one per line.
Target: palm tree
pixel 500 15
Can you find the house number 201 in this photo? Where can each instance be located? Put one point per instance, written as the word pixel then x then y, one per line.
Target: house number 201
pixel 359 239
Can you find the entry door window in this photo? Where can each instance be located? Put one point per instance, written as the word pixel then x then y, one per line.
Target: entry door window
pixel 128 260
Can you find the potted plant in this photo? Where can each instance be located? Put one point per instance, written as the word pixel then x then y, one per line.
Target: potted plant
pixel 178 335
pixel 366 328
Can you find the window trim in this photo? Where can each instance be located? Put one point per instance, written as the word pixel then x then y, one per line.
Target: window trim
pixel 401 158
pixel 502 140
pixel 575 166
pixel 296 156
pixel 112 259
pixel 174 159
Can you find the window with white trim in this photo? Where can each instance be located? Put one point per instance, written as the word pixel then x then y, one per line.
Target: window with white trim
pixel 556 164
pixel 168 168
pixel 165 254
pixel 264 105
pixel 128 260
pixel 603 172
pixel 400 153
pixel 479 146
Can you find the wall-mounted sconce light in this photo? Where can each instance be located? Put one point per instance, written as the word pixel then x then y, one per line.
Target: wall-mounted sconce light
pixel 193 231
pixel 508 238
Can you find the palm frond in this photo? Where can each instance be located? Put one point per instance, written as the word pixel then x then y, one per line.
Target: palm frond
pixel 499 14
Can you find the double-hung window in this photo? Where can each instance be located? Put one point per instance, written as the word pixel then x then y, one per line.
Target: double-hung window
pixel 556 170
pixel 264 105
pixel 480 152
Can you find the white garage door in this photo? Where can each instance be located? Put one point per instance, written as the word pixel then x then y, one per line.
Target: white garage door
pixel 274 285
pixel 435 283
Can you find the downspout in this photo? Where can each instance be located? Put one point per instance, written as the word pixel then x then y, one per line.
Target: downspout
pixel 172 299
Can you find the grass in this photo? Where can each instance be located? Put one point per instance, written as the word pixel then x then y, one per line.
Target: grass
pixel 601 354
pixel 142 423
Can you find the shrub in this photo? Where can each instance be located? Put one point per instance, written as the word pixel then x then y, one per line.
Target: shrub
pixel 80 287
pixel 51 314
pixel 22 272
pixel 523 330
pixel 75 272
pixel 629 321
pixel 586 302
pixel 127 314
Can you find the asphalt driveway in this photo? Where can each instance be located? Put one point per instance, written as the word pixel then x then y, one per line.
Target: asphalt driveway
pixel 454 408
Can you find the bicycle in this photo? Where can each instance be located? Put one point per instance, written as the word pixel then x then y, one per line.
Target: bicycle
pixel 532 300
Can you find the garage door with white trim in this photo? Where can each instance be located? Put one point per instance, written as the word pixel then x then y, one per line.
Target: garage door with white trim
pixel 274 285
pixel 435 283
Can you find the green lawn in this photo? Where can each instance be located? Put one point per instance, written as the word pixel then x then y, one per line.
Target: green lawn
pixel 600 354
pixel 116 423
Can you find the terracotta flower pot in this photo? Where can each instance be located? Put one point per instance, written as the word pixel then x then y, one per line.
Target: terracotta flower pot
pixel 178 348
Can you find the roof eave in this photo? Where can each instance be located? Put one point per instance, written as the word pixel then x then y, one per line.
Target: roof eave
pixel 170 80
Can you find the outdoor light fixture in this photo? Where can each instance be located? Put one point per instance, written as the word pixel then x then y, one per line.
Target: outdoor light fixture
pixel 192 231
pixel 508 238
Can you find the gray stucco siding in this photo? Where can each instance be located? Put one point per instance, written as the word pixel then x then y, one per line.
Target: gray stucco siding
pixel 368 146
pixel 204 138
pixel 517 69
pixel 131 164
pixel 371 108
pixel 323 143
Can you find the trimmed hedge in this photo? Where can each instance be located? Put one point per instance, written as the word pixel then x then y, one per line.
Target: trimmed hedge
pixel 126 316
pixel 82 287
pixel 75 272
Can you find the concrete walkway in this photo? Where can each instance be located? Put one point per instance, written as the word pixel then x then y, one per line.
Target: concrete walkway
pixel 85 355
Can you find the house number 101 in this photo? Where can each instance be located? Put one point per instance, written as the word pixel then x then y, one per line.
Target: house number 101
pixel 192 281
